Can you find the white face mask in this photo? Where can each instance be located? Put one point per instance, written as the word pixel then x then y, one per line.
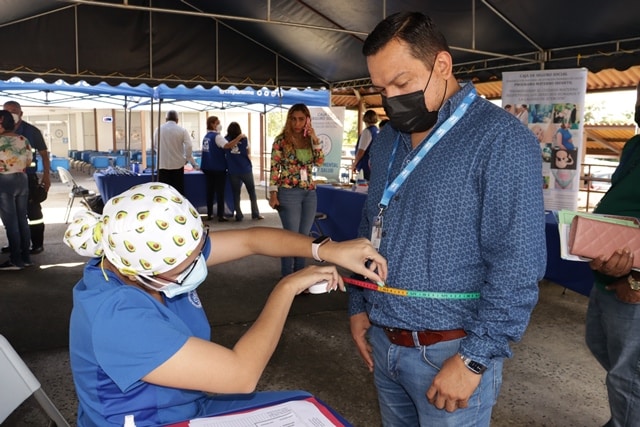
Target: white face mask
pixel 194 278
pixel 16 117
pixel 219 128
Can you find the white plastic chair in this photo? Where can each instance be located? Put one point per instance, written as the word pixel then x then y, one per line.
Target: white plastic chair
pixel 76 190
pixel 17 383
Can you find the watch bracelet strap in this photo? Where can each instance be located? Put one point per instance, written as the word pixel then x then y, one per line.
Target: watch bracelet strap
pixel 315 247
pixel 314 252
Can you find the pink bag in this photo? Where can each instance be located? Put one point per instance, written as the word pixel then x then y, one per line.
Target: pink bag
pixel 591 238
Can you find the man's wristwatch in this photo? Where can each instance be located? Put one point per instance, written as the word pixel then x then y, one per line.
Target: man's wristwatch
pixel 315 246
pixel 473 366
pixel 633 283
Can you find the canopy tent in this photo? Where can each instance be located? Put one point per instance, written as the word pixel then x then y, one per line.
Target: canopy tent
pixel 304 43
pixel 129 97
pixel 41 92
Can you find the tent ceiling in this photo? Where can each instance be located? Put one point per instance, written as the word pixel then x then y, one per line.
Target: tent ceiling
pixel 300 43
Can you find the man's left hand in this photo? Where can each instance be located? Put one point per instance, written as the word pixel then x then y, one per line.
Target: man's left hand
pixel 46 181
pixel 453 385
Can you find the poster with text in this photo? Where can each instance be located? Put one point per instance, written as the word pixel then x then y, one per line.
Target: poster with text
pixel 551 103
pixel 328 123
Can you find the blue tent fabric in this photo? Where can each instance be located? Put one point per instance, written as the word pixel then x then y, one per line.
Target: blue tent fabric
pixel 123 89
pixel 248 95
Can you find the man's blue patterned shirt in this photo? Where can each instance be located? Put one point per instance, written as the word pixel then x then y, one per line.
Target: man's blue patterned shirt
pixel 469 218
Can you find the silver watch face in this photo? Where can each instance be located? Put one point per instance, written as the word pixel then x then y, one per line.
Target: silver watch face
pixel 633 284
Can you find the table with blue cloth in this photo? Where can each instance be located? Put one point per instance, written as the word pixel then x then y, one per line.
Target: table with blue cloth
pixel 195 187
pixel 575 275
pixel 343 208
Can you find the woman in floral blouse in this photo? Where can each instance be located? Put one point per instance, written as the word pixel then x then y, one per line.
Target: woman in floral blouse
pixel 291 189
pixel 15 156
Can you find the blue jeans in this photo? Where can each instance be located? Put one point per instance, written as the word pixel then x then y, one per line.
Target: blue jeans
pixel 404 374
pixel 14 197
pixel 236 185
pixel 297 212
pixel 613 337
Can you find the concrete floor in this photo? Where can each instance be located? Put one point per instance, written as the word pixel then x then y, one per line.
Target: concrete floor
pixel 552 380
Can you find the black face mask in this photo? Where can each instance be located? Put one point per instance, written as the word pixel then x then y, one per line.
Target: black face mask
pixel 408 112
pixel 637 117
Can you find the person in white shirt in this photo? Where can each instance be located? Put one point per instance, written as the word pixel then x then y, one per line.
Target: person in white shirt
pixel 174 151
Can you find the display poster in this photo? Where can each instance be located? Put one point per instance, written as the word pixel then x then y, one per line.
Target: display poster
pixel 551 103
pixel 328 123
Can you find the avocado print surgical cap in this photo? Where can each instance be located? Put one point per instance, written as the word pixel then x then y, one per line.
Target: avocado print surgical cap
pixel 149 229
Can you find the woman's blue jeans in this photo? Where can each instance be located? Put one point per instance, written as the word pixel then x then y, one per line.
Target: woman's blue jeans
pixel 297 212
pixel 613 337
pixel 236 186
pixel 404 374
pixel 14 197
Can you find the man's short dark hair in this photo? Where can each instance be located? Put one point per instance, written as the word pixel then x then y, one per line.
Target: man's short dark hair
pixel 172 115
pixel 415 29
pixel 370 117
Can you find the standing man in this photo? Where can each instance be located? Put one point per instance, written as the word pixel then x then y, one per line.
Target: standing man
pixel 461 223
pixel 613 313
pixel 34 209
pixel 174 151
pixel 368 134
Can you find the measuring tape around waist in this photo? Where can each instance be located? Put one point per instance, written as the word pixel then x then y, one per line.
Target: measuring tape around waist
pixel 410 293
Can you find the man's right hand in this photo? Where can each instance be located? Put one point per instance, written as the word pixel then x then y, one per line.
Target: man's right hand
pixel 359 326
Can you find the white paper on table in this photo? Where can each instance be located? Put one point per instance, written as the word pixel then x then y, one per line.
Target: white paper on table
pixel 295 413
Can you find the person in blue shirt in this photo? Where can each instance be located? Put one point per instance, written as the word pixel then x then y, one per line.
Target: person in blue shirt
pixel 455 205
pixel 139 339
pixel 564 139
pixel 238 155
pixel 367 136
pixel 214 165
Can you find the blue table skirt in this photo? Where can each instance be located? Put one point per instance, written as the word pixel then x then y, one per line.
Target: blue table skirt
pixel 194 183
pixel 574 275
pixel 344 211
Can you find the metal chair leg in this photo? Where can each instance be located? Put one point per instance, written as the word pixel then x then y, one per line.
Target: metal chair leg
pixel 320 216
pixel 69 205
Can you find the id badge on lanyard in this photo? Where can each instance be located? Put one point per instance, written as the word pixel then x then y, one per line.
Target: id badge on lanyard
pixel 376 232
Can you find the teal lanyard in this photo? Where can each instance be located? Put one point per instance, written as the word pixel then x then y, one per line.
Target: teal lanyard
pixel 392 189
